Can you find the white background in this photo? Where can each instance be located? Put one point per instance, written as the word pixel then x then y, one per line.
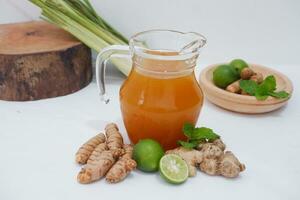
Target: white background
pixel 261 31
pixel 38 139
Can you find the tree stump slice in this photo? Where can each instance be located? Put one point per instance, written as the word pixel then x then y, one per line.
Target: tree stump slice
pixel 39 60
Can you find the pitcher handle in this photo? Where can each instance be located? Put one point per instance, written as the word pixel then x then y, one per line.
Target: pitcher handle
pixel 119 51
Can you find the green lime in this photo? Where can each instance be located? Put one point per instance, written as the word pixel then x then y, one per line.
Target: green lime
pixel 224 75
pixel 238 65
pixel 173 169
pixel 147 154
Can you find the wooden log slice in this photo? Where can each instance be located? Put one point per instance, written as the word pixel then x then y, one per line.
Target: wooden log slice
pixel 39 60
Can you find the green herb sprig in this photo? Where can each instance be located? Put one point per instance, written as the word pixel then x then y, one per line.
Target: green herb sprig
pixel 263 90
pixel 195 136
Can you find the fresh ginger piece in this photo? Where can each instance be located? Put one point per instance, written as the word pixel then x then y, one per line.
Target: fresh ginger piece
pixel 97 152
pixel 211 159
pixel 87 148
pixel 123 166
pixel 209 166
pixel 257 78
pixel 96 169
pixel 191 156
pixel 114 138
pixel 229 165
pixel 246 73
pixel 220 144
pixel 210 150
pixel 234 87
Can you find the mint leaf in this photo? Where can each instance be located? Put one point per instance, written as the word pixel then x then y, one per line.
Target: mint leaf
pixel 204 133
pixel 263 90
pixel 196 136
pixel 249 86
pixel 188 145
pixel 188 129
pixel 279 95
pixel 268 85
pixel 261 97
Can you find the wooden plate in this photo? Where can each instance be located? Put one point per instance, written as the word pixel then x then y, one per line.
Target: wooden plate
pixel 242 103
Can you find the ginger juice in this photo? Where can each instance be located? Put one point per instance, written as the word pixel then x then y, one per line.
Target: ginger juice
pixel 158 98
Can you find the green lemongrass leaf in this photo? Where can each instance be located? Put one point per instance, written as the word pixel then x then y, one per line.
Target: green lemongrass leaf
pixel 84 9
pixel 79 18
pixel 94 13
pixel 104 23
pixel 90 39
pixel 279 95
pixel 249 86
pixel 62 6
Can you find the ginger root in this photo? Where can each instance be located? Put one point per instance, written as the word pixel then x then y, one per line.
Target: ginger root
pixel 123 166
pixel 229 165
pixel 209 166
pixel 219 143
pixel 96 169
pixel 87 148
pixel 211 159
pixel 246 73
pixel 210 150
pixel 114 138
pixel 257 77
pixel 191 156
pixel 234 87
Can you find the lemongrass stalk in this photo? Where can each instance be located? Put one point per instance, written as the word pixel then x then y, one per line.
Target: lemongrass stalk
pixel 77 20
pixel 109 27
pixel 85 8
pixel 81 33
pixel 91 40
pixel 77 16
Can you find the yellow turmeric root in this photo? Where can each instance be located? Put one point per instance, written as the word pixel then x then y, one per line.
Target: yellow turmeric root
pixel 87 148
pixel 191 156
pixel 96 169
pixel 97 152
pixel 122 167
pixel 114 138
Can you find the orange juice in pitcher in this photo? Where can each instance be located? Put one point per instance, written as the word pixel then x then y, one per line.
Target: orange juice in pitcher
pixel 161 92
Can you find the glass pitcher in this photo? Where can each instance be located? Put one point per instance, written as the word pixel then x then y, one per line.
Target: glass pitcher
pixel 161 92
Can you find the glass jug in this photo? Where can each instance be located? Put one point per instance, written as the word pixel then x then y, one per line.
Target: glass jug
pixel 161 92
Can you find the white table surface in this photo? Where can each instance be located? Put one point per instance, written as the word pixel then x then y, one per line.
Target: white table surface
pixel 38 141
